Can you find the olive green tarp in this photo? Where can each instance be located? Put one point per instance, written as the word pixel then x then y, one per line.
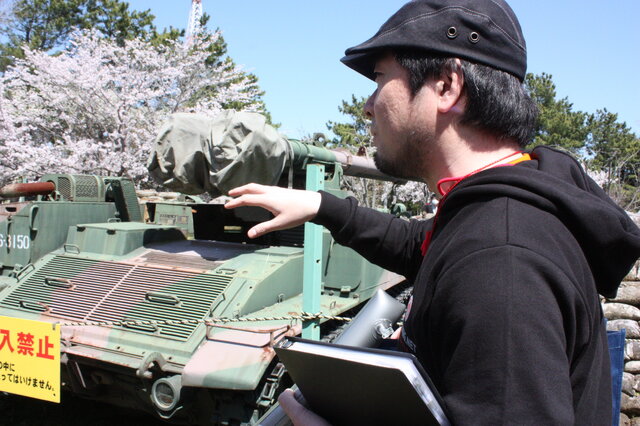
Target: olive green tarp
pixel 194 153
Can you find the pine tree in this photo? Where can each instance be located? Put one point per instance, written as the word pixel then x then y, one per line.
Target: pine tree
pixel 558 124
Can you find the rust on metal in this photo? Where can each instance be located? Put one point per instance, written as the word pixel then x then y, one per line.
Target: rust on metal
pixel 11 209
pixel 25 189
pixel 281 330
pixel 174 262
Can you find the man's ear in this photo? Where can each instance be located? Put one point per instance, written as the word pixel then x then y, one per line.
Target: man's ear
pixel 450 89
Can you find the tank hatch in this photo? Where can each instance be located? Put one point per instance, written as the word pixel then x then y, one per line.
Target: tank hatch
pixel 78 289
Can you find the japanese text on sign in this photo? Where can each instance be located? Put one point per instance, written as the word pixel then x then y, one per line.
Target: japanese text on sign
pixel 30 358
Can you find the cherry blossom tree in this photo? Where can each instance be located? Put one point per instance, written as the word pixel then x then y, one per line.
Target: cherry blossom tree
pixel 95 108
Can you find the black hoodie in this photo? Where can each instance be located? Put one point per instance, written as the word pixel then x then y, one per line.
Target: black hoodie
pixel 506 316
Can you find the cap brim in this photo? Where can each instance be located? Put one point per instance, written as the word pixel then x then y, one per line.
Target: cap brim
pixel 364 63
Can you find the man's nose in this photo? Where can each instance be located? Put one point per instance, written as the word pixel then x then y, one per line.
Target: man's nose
pixel 368 106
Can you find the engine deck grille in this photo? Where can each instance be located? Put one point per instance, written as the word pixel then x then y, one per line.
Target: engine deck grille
pixel 64 187
pixel 86 187
pixel 88 290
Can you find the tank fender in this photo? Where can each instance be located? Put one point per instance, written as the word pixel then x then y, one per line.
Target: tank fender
pixel 234 358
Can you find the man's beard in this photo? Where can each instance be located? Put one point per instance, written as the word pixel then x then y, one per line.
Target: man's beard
pixel 387 167
pixel 407 165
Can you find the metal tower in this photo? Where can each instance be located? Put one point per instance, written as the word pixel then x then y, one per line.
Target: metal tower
pixel 194 20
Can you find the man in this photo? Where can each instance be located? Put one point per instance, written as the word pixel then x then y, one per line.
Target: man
pixel 505 315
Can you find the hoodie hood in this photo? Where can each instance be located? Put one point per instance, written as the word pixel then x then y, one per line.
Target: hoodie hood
pixel 555 182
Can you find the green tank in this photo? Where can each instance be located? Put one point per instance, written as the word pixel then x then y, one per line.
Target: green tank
pixel 168 307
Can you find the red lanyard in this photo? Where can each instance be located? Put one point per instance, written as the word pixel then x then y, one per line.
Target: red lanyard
pixel 456 180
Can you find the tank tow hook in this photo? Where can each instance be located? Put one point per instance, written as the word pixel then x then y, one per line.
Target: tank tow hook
pixel 144 371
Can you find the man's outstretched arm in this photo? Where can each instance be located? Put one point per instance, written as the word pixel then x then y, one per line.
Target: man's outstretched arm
pixel 381 238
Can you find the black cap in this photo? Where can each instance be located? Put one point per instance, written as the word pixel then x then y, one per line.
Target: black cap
pixel 481 31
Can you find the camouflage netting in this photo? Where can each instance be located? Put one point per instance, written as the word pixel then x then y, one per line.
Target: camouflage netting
pixel 194 154
pixel 624 312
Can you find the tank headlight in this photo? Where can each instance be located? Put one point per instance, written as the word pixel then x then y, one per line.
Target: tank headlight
pixel 165 392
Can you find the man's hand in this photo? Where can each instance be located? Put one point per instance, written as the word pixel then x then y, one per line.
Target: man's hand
pixel 291 207
pixel 298 413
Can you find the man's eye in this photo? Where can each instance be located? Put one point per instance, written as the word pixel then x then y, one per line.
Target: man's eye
pixel 376 75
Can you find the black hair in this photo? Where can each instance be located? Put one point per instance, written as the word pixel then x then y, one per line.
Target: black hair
pixel 496 101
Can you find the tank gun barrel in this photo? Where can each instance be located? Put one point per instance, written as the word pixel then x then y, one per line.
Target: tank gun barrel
pixel 27 189
pixel 352 165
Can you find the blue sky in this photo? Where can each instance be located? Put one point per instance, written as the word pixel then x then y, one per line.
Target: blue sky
pixel 590 47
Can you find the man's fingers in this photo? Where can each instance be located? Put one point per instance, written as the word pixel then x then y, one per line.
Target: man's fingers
pixel 261 229
pixel 274 224
pixel 289 404
pixel 290 207
pixel 248 200
pixel 299 414
pixel 396 334
pixel 250 188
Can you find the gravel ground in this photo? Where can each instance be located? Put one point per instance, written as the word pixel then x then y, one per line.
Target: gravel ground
pixel 22 411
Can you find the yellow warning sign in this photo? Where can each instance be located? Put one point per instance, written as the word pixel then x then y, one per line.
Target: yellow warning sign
pixel 30 358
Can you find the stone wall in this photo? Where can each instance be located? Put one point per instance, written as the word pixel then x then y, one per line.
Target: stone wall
pixel 624 312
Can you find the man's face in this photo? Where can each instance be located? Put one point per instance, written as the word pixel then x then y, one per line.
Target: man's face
pixel 401 123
